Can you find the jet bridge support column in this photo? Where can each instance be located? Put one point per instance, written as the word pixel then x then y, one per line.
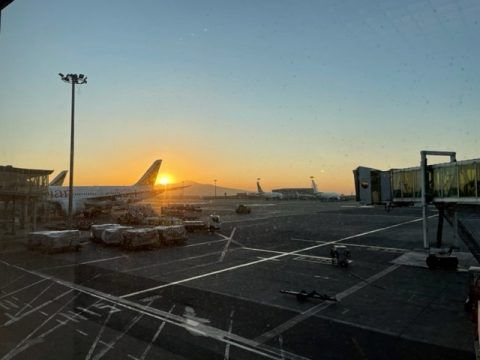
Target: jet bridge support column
pixel 426 188
pixel 441 216
pixel 423 169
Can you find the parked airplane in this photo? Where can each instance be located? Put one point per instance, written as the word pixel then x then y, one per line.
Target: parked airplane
pixel 59 179
pixel 323 195
pixel 101 197
pixel 267 195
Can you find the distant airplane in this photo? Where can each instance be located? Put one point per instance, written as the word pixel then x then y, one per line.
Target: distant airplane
pixel 103 197
pixel 323 195
pixel 267 195
pixel 59 179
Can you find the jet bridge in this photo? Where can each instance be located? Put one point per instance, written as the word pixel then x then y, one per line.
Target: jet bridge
pixel 452 187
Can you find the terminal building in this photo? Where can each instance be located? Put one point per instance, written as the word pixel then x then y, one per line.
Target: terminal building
pixel 21 191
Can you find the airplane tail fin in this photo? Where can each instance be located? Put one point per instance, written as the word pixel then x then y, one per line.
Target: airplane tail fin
pixel 59 179
pixel 314 186
pixel 259 188
pixel 149 178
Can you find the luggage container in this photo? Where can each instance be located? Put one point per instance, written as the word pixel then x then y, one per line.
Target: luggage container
pixel 171 235
pixel 134 239
pixel 54 241
pixel 96 231
pixel 113 235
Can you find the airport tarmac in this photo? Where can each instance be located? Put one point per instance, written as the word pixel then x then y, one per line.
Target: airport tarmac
pixel 218 296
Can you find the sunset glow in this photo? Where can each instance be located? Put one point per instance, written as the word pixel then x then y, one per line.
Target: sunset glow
pixel 164 180
pixel 213 108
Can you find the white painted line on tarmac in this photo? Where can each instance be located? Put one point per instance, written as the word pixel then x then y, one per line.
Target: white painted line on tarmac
pixel 151 298
pixel 11 282
pixel 280 342
pixel 171 262
pixel 25 314
pixel 43 313
pixel 88 311
pixel 112 343
pixel 261 257
pixel 206 242
pixel 280 329
pixel 307 240
pixel 12 304
pixel 379 248
pixel 69 317
pixel 316 260
pixel 4 306
pixel 25 343
pixel 227 245
pixel 76 315
pixel 267 259
pixel 366 282
pixel 97 338
pixel 180 321
pixel 35 298
pixel 81 332
pixel 263 250
pixel 84 263
pixel 370 247
pixel 227 346
pixel 104 343
pixel 259 218
pixel 21 289
pixel 157 333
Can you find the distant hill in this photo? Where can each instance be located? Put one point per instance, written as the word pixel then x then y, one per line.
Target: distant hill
pixel 197 189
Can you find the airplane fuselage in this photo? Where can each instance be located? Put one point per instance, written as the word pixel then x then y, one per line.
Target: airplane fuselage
pixel 99 196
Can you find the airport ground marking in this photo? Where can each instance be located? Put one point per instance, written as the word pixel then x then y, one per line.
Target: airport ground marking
pixel 171 262
pixel 11 282
pixel 227 346
pixel 370 247
pixel 88 311
pixel 73 313
pixel 23 288
pixel 280 329
pixel 25 343
pixel 177 320
pixel 227 245
pixel 155 336
pixel 261 257
pixel 35 309
pixel 112 343
pixel 69 317
pixel 295 252
pixel 84 263
pixel 97 338
pixel 35 298
pixel 206 242
pixel 12 304
pixel 81 332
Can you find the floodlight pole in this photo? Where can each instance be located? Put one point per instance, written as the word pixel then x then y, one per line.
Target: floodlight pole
pixel 215 182
pixel 72 79
pixel 72 137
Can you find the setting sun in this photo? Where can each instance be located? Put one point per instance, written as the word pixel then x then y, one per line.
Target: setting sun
pixel 164 179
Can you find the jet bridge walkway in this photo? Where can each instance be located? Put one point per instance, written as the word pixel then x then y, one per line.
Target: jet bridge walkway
pixel 452 187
